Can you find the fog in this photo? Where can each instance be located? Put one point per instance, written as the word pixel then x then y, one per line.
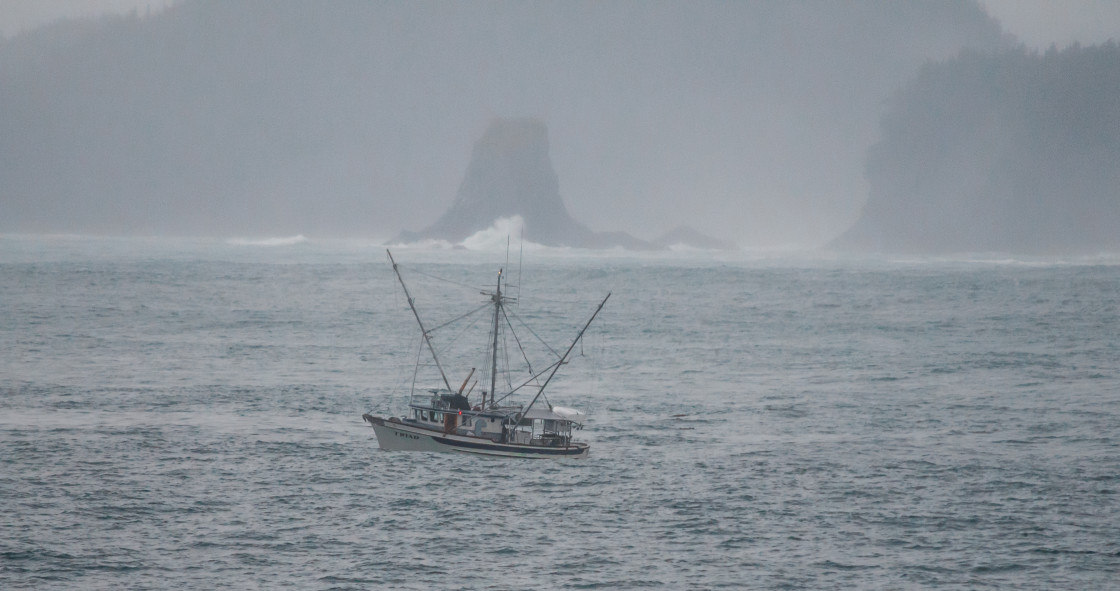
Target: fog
pixel 1040 24
pixel 747 120
pixel 1013 152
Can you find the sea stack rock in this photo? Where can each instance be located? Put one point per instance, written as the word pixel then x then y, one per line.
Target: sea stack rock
pixel 510 174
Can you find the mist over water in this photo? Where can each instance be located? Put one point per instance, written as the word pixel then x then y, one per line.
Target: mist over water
pixel 189 411
pixel 278 241
pixel 749 120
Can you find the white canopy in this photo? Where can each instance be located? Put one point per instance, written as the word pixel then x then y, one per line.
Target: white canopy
pixel 571 413
pixel 558 413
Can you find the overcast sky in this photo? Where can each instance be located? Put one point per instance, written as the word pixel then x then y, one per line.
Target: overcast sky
pixel 1038 23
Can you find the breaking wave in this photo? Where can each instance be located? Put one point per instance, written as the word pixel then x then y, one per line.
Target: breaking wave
pixel 499 236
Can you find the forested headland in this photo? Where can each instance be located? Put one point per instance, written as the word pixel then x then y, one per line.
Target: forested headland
pixel 1014 151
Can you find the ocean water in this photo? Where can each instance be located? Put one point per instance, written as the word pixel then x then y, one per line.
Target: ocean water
pixel 187 414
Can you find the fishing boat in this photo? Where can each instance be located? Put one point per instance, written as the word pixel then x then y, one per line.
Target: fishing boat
pixel 445 419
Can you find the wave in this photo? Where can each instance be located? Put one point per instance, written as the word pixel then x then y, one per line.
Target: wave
pixel 425 244
pixel 500 236
pixel 504 234
pixel 1011 260
pixel 278 241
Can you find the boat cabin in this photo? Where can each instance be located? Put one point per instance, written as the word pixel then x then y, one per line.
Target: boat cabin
pixel 451 414
pixel 541 426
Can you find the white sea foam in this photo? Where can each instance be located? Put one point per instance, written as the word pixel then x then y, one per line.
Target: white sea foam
pixel 277 241
pixel 503 233
pixel 425 244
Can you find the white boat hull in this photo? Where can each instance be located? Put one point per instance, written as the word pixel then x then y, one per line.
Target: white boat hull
pixel 393 435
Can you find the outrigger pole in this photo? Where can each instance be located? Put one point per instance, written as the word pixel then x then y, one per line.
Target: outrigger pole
pixel 423 331
pixel 566 353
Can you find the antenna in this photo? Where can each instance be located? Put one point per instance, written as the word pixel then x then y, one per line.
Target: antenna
pixel 520 257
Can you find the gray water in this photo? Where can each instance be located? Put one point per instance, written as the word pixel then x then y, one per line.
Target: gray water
pixel 187 414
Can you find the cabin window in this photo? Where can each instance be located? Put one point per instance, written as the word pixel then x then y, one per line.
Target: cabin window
pixel 424 415
pixel 437 417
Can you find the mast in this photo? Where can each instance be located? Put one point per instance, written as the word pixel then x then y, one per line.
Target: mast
pixel 566 353
pixel 423 331
pixel 494 342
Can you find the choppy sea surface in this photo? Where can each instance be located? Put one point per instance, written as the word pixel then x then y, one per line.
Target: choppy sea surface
pixel 187 414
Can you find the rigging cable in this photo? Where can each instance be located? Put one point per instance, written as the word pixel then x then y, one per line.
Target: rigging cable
pixel 531 379
pixel 416 369
pixel 517 340
pixel 460 317
pixel 451 341
pixel 438 278
pixel 532 332
pixel 505 354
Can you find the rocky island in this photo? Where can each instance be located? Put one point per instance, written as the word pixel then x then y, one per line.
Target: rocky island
pixel 510 174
